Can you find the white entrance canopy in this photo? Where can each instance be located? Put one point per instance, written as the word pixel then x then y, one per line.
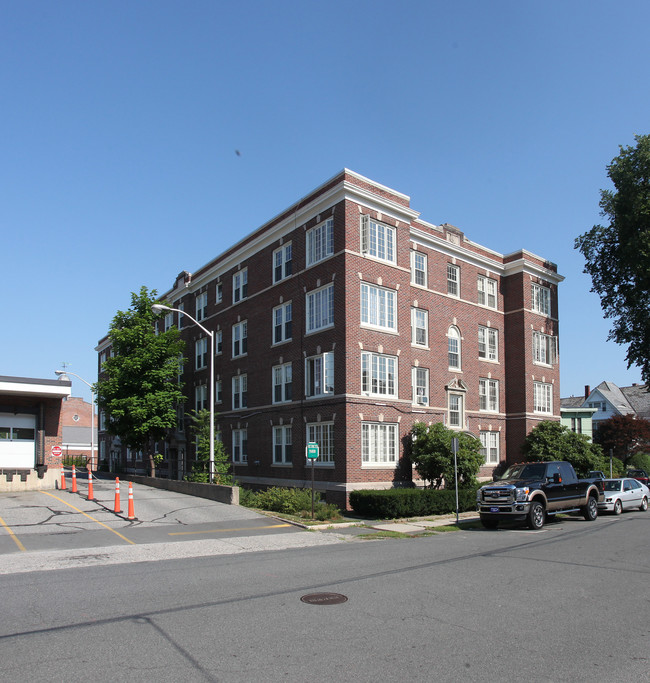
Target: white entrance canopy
pixel 37 388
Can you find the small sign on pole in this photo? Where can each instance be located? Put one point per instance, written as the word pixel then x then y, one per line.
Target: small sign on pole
pixel 312 454
pixel 56 451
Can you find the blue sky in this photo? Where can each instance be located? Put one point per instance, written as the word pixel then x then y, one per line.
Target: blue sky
pixel 121 119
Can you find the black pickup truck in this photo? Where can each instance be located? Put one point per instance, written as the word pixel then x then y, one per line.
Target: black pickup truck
pixel 531 491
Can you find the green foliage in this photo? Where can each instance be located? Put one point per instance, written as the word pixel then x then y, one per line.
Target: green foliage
pixel 640 461
pixel 551 440
pixel 289 501
pixel 618 255
pixel 138 389
pixel 433 458
pixel 400 503
pixel 200 429
pixel 624 435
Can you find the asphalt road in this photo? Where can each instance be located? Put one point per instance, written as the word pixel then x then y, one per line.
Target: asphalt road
pixel 568 603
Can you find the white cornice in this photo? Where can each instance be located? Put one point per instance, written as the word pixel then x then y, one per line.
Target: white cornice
pixel 531 268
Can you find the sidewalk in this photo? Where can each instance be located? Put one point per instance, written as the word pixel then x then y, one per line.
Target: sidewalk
pixel 412 525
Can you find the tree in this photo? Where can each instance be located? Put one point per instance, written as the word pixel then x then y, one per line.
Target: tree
pixel 200 428
pixel 139 388
pixel 432 455
pixel 625 435
pixel 551 440
pixel 618 255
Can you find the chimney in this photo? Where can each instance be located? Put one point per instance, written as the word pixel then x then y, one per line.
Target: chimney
pixel 587 391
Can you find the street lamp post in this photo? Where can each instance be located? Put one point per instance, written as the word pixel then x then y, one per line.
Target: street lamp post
pixel 63 374
pixel 158 308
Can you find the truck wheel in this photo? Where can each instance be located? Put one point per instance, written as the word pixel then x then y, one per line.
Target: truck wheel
pixel 536 516
pixel 618 507
pixel 644 504
pixel 490 523
pixel 590 510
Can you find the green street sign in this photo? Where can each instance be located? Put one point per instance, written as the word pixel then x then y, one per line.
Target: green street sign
pixel 312 450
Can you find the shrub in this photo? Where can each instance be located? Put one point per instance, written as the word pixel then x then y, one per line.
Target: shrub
pixel 396 503
pixel 640 461
pixel 276 499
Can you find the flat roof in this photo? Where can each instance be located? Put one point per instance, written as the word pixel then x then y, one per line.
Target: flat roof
pixel 30 386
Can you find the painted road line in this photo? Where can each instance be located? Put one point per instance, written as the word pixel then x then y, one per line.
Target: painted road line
pixel 12 534
pixel 117 533
pixel 217 531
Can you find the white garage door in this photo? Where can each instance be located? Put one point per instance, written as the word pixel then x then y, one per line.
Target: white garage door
pixel 17 441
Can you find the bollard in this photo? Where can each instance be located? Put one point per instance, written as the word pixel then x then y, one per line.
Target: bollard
pixel 62 478
pixel 130 514
pixel 91 495
pixel 74 480
pixel 117 495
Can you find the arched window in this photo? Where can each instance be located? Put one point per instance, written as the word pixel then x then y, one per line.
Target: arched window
pixel 453 347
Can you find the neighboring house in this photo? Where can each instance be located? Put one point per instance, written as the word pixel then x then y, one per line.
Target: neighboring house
pixel 576 417
pixel 75 419
pixel 30 432
pixel 343 321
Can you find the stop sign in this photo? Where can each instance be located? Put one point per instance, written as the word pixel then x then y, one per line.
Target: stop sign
pixel 56 451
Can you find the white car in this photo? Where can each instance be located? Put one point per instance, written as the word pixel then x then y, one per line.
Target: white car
pixel 624 494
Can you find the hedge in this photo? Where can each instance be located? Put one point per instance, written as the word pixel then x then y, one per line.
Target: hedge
pixel 412 502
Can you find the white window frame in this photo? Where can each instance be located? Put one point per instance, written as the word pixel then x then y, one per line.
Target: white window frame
pixel 419 268
pixel 320 242
pixel 319 375
pixel 218 292
pixel 320 308
pixel 201 306
pixel 544 349
pixel 218 342
pixel 282 445
pixel 218 391
pixel 282 377
pixel 379 443
pixel 240 339
pixel 240 392
pixel 487 291
pixel 453 280
pixel 282 323
pixel 543 398
pixel 201 353
pixel 282 262
pixel 488 391
pixel 240 446
pixel 420 386
pixel 455 407
pixel 488 343
pixel 454 348
pixel 169 321
pixel 240 285
pixel 379 375
pixel 378 240
pixel 201 401
pixel 322 433
pixel 419 327
pixel 540 299
pixel 378 307
pixel 490 447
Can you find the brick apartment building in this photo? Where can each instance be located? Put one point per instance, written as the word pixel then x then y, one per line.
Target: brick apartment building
pixel 347 318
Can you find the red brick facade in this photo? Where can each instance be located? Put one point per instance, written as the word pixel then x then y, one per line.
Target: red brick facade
pixel 369 262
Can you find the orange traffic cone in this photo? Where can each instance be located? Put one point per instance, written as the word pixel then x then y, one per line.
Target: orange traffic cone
pixel 62 478
pixel 91 495
pixel 130 514
pixel 117 495
pixel 74 480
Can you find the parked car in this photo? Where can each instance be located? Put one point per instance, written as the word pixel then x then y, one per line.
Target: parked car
pixel 624 494
pixel 596 474
pixel 639 475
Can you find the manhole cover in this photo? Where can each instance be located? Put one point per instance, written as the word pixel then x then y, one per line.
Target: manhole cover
pixel 324 598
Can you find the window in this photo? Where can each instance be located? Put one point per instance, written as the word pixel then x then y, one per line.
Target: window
pixel 490 447
pixel 378 307
pixel 378 443
pixel 239 392
pixel 282 445
pixel 240 446
pixel 576 425
pixel 420 384
pixel 218 342
pixel 488 343
pixel 453 280
pixel 282 383
pixel 240 285
pixel 201 348
pixel 218 391
pixel 319 375
pixel 320 242
pixel 419 327
pixel 378 374
pixel 181 308
pixel 456 410
pixel 282 263
pixel 219 292
pixel 419 268
pixel 544 349
pixel 322 433
pixel 542 397
pixel 240 339
pixel 541 299
pixel 169 321
pixel 201 305
pixel 320 308
pixel 377 239
pixel 201 397
pixel 453 344
pixel 488 391
pixel 487 291
pixel 282 323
